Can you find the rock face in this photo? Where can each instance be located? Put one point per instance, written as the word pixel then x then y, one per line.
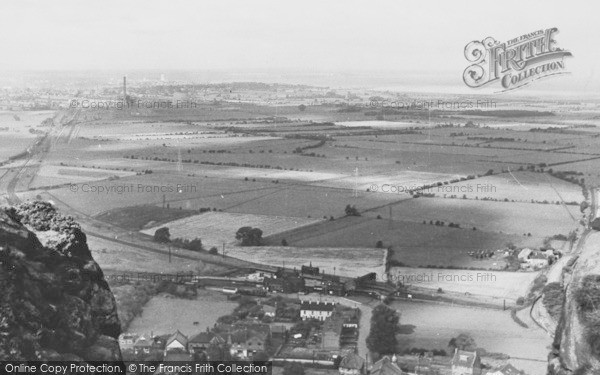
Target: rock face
pixel 576 348
pixel 54 303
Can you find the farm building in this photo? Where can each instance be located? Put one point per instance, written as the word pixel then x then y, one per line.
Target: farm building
pixel 524 254
pixel 536 259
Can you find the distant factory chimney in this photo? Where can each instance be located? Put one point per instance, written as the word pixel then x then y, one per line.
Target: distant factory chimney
pixel 124 89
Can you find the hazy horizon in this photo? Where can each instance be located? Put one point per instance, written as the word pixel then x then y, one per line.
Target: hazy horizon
pixel 279 39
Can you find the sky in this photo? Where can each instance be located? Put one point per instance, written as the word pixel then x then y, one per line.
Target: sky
pixel 426 37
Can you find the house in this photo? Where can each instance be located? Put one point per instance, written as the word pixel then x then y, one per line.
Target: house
pixel 176 342
pixel 316 310
pixel 524 254
pixel 217 349
pixel 386 366
pixel 505 370
pixel 269 311
pixel 465 363
pixel 309 270
pixel 352 364
pixel 142 345
pixel 245 343
pixel 159 343
pixel 200 342
pixel 537 259
pixel 126 340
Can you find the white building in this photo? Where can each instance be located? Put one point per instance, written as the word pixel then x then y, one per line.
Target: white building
pixel 316 310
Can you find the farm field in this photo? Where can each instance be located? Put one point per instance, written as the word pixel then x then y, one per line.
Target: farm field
pixel 183 191
pixel 49 175
pixel 117 259
pixel 488 284
pixel 499 217
pixel 14 134
pixel 165 314
pixel 137 217
pixel 414 244
pixel 493 330
pixel 350 262
pixel 517 186
pixel 376 124
pixel 313 201
pixel 216 228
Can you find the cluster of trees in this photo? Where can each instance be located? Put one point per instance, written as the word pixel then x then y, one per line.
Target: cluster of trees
pixel 249 236
pixel 384 326
pixel 247 308
pixel 351 211
pixel 162 235
pixel 441 224
pixel 299 150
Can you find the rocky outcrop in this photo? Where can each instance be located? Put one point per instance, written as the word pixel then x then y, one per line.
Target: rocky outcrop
pixel 576 347
pixel 55 303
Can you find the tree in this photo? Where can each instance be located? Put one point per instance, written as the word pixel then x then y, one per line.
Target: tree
pixel 462 342
pixel 384 325
pixel 293 368
pixel 351 211
pixel 162 235
pixel 302 107
pixel 249 236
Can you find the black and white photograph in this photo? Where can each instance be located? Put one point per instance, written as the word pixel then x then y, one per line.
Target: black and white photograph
pixel 286 187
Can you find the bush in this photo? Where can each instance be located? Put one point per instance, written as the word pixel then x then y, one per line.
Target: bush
pixel 553 299
pixel 162 235
pixel 351 211
pixel 587 295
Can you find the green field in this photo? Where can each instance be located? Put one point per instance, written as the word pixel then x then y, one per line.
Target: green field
pixel 414 243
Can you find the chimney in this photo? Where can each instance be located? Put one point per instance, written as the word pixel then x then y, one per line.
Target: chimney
pixel 124 89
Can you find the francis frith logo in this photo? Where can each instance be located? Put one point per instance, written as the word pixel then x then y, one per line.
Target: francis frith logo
pixel 515 63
